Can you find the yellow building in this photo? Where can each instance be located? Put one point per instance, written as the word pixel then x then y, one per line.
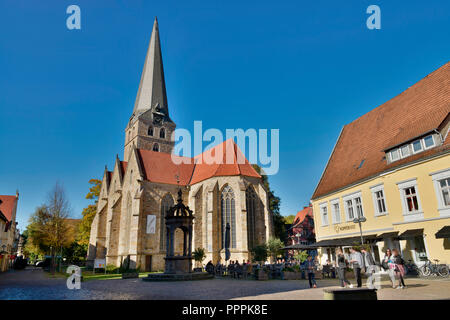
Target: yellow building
pixel 391 166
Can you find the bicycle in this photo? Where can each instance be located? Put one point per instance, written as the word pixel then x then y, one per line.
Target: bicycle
pixel 430 268
pixel 412 269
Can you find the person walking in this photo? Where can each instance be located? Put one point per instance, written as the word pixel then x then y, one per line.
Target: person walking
pixel 399 268
pixel 341 265
pixel 311 267
pixel 388 265
pixel 370 267
pixel 357 261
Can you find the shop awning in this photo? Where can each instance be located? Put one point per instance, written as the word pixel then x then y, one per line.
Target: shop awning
pixel 387 235
pixel 443 233
pixel 410 233
pixel 340 242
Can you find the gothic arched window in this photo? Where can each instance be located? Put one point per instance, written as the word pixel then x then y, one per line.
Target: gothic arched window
pixel 228 211
pixel 251 202
pixel 162 133
pixel 150 131
pixel 156 147
pixel 166 203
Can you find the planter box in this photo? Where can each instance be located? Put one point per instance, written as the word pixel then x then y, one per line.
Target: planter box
pixel 130 275
pixel 290 275
pixel 262 275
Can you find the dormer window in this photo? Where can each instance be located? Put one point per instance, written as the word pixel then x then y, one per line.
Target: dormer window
pixel 428 142
pixel 417 146
pixel 404 151
pixel 162 133
pixel 150 131
pixel 394 155
pixel 411 148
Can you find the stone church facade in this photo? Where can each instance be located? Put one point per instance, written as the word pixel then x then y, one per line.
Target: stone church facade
pixel 136 194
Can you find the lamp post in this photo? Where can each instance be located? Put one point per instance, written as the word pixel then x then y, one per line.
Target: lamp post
pixel 298 237
pixel 360 220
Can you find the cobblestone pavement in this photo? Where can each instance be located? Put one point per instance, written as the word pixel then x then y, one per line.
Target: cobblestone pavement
pixel 33 283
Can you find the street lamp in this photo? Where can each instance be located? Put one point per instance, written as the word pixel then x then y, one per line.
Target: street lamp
pixel 298 238
pixel 359 220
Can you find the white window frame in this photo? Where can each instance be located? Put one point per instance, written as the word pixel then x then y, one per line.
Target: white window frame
pixel 351 197
pixel 444 211
pixel 374 190
pixel 321 207
pixel 421 146
pixel 335 214
pixel 401 152
pixel 410 216
pixel 432 138
pixel 398 153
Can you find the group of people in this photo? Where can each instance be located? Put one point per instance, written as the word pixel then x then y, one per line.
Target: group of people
pixel 392 262
pixel 234 268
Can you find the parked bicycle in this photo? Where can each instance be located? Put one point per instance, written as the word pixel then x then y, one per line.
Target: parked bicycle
pixel 430 268
pixel 412 269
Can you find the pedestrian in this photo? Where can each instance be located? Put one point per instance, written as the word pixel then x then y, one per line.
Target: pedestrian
pixel 370 267
pixel 399 268
pixel 357 261
pixel 389 266
pixel 341 264
pixel 311 267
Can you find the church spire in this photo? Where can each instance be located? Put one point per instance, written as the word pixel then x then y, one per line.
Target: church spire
pixel 152 87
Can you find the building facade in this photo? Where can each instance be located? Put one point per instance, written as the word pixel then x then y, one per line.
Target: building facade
pixel 137 193
pixel 392 167
pixel 302 229
pixel 8 230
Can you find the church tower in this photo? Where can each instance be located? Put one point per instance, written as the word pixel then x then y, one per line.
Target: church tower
pixel 150 126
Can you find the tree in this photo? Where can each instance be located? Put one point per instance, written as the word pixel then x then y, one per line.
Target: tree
pixel 48 231
pixel 274 247
pixel 84 228
pixel 301 256
pixel 274 207
pixel 199 255
pixel 289 219
pixel 259 253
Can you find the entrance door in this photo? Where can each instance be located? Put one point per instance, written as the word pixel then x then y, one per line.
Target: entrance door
pixel 148 263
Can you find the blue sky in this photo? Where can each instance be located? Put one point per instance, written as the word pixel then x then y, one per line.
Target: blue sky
pixel 304 67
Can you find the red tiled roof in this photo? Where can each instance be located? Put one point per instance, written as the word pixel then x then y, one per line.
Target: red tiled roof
pixel 301 215
pixel 7 206
pixel 236 165
pixel 159 166
pixel 416 111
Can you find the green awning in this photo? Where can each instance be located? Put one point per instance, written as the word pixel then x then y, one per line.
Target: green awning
pixel 443 233
pixel 297 247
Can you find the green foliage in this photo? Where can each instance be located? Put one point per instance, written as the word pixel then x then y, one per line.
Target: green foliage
pixel 110 268
pixel 274 247
pixel 301 256
pixel 199 255
pixel 289 219
pixel 274 207
pixel 75 252
pixel 84 228
pixel 259 253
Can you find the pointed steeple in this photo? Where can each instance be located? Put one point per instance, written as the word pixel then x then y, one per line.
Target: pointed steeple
pixel 152 88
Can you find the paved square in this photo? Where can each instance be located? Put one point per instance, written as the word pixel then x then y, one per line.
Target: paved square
pixel 35 284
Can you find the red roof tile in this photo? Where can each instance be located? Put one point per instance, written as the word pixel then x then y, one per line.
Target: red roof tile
pixel 7 206
pixel 416 111
pixel 159 166
pixel 301 215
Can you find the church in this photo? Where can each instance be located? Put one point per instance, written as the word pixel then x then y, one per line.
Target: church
pixel 137 193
